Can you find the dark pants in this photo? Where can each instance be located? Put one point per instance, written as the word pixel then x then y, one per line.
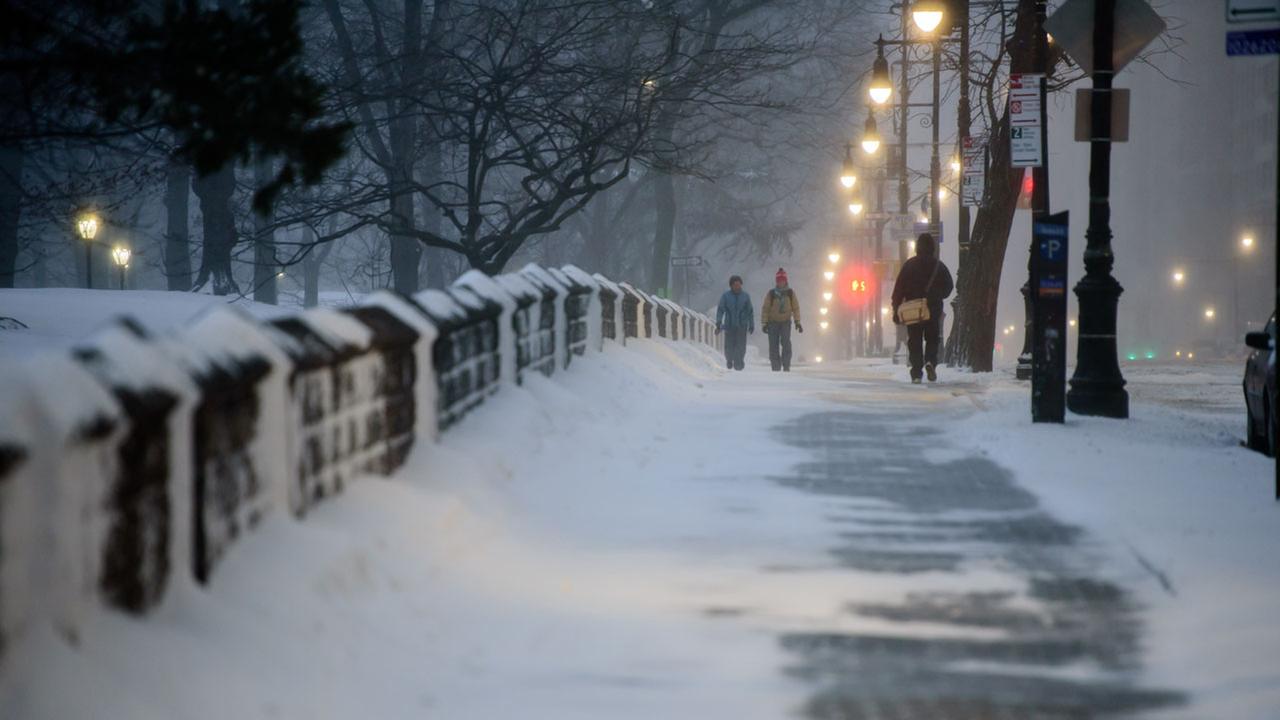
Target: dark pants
pixel 735 347
pixel 780 345
pixel 923 340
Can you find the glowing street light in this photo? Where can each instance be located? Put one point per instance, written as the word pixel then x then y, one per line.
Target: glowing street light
pixel 881 82
pixel 1210 313
pixel 927 14
pixel 855 207
pixel 942 194
pixel 833 257
pixel 955 164
pixel 870 134
pixel 824 324
pixel 847 175
pixel 1178 277
pixel 830 275
pixel 911 246
pixel 87 225
pixel 817 359
pixel 1072 322
pixel 822 311
pixel 884 311
pixel 827 296
pixel 120 254
pixel 1246 242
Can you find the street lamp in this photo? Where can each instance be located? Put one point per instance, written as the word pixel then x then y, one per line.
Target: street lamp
pixel 881 83
pixel 927 14
pixel 87 225
pixel 829 275
pixel 855 206
pixel 824 324
pixel 1209 313
pixel 120 254
pixel 847 176
pixel 827 296
pixel 1246 242
pixel 1178 277
pixel 822 311
pixel 834 257
pixel 870 134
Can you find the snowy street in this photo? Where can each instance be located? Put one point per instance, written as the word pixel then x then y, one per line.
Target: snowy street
pixel 832 543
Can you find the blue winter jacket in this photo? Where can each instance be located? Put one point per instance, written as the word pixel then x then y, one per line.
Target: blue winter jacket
pixel 735 311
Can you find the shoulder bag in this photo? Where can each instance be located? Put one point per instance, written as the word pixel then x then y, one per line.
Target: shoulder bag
pixel 914 312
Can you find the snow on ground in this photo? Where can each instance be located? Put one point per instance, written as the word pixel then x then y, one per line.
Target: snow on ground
pixel 614 543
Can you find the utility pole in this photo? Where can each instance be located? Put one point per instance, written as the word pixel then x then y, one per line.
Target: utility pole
pixel 963 128
pixel 1097 387
pixel 904 188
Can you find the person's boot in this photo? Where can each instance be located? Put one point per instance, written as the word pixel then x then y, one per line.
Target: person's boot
pixel 931 372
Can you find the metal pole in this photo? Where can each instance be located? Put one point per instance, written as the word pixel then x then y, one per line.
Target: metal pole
pixel 1097 387
pixel 935 163
pixel 88 264
pixel 121 277
pixel 963 123
pixel 1039 187
pixel 904 189
pixel 876 316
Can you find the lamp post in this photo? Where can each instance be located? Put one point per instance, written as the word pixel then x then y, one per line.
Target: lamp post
pixel 120 254
pixel 1097 387
pixel 87 225
pixel 871 145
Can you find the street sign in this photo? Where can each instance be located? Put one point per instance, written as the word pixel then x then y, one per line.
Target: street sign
pixel 1136 25
pixel 923 227
pixel 974 178
pixel 1119 115
pixel 1024 119
pixel 901 223
pixel 1253 42
pixel 1243 11
pixel 1049 318
pixel 686 261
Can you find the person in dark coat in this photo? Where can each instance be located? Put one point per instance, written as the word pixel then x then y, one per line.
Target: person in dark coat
pixel 923 276
pixel 736 319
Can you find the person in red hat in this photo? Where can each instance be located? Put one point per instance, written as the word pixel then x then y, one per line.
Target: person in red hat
pixel 780 308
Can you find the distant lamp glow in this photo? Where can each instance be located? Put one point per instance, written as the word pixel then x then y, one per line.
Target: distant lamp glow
pixel 817 359
pixel 822 311
pixel 955 164
pixel 1006 331
pixel 1246 242
pixel 1072 322
pixel 911 245
pixel 942 194
pixel 855 207
pixel 1177 353
pixel 847 175
pixel 884 311
pixel 833 257
pixel 924 218
pixel 87 225
pixel 827 296
pixel 1178 277
pixel 927 15
pixel 120 255
pixel 1210 313
pixel 829 275
pixel 824 324
pixel 1191 356
pixel 280 274
pixel 881 82
pixel 870 134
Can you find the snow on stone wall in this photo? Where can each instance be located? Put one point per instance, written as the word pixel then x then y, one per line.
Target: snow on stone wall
pixel 132 464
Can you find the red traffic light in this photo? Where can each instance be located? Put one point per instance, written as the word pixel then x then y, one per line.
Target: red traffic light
pixel 855 284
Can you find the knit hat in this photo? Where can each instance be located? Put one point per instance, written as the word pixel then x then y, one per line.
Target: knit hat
pixel 781 276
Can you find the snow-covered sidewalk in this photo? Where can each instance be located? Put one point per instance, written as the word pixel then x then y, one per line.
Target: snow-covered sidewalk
pixel 648 535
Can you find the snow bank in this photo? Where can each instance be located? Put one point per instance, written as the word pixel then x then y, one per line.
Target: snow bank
pixel 133 460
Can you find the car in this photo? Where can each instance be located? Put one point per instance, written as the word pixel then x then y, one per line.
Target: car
pixel 1262 427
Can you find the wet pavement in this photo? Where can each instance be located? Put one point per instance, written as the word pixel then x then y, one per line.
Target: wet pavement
pixel 1058 640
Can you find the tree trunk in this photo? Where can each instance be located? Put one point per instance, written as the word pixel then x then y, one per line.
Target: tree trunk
pixel 972 340
pixel 177 249
pixel 214 191
pixel 265 264
pixel 664 205
pixel 10 211
pixel 406 252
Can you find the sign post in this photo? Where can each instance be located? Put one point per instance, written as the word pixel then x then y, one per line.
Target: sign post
pixel 1049 328
pixel 975 171
pixel 1025 129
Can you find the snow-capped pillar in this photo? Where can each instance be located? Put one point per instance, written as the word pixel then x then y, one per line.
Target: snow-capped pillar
pixel 487 288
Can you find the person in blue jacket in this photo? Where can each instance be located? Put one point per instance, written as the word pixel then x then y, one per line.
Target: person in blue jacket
pixel 736 320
